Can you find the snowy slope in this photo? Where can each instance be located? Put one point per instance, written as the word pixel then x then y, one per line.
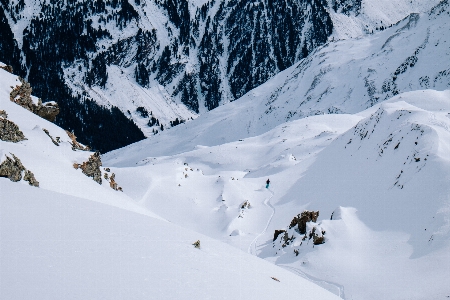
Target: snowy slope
pixel 58 246
pixel 383 173
pixel 73 238
pixel 379 177
pixel 384 183
pixel 52 165
pixel 369 16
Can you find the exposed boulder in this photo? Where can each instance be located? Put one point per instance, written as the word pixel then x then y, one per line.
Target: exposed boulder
pixel 21 95
pixel 317 240
pixel 277 233
pixel 197 244
pixel 304 229
pixel 91 168
pixel 12 169
pixel 245 205
pixel 303 218
pixel 47 110
pixel 29 176
pixel 9 131
pixel 112 182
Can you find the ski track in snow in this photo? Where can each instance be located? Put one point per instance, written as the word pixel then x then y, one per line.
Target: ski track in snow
pixel 332 287
pixel 252 247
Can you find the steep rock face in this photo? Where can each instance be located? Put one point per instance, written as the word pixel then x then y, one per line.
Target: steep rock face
pixel 243 44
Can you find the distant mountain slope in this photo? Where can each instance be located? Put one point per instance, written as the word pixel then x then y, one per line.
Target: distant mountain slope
pixel 345 76
pixel 163 62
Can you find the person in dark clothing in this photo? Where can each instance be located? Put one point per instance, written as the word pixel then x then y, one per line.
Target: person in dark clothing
pixel 267 183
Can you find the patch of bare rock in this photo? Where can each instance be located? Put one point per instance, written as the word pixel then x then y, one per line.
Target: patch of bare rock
pixel 9 131
pixel 21 95
pixel 12 168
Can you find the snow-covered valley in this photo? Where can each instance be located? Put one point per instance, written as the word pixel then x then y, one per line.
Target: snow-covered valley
pixel 355 140
pixel 383 174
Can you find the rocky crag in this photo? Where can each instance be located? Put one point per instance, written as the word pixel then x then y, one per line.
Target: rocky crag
pixel 9 131
pixel 303 231
pixel 21 95
pixel 12 168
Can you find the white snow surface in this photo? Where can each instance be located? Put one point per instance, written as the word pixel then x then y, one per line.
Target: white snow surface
pixel 383 171
pixel 380 168
pixel 72 238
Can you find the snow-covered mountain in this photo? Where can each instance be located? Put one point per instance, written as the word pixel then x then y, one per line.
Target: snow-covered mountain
pixel 64 235
pixel 163 62
pixel 377 172
pixel 354 139
pixel 345 76
pixel 379 180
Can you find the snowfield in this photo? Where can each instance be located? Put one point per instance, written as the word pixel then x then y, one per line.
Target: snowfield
pixel 71 238
pixel 56 246
pixel 383 174
pixel 358 134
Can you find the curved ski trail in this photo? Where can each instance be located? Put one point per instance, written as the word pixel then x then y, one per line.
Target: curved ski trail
pixel 252 247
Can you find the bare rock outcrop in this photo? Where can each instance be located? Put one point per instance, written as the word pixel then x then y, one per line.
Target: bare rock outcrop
pixel 75 144
pixel 245 205
pixel 304 229
pixel 47 110
pixel 112 180
pixel 303 218
pixel 277 233
pixel 9 131
pixel 91 168
pixel 21 95
pixel 55 142
pixel 29 176
pixel 12 169
pixel 7 68
pixel 197 244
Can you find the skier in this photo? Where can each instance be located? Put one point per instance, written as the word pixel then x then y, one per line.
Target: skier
pixel 267 183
